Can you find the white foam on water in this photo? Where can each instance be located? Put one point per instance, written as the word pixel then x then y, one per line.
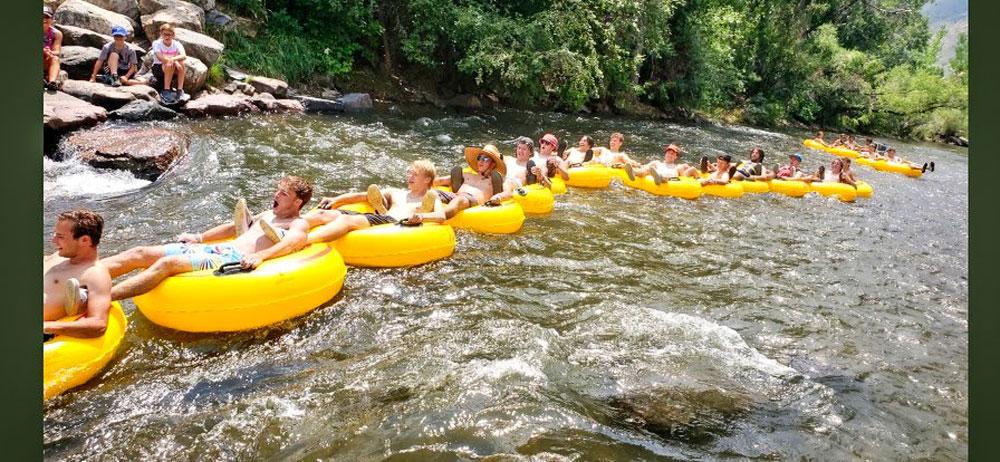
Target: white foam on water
pixel 72 178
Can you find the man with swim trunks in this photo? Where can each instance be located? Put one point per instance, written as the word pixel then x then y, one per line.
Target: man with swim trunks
pixel 249 248
pixel 545 159
pixel 51 49
pixel 669 169
pixel 753 169
pixel 482 186
pixel 391 206
pixel 74 281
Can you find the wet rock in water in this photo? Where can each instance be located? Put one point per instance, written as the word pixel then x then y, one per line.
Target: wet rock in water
pixel 142 110
pixel 425 121
pixel 219 19
pixel 78 62
pixel 128 8
pixel 188 17
pixel 443 139
pixel 320 105
pixel 146 152
pixel 276 87
pixel 268 103
pixel 357 102
pixel 695 416
pixel 62 113
pixel 465 102
pixel 77 36
pixel 107 96
pixel 78 13
pixel 201 46
pixel 219 105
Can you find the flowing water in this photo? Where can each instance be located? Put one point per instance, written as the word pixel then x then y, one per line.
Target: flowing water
pixel 621 326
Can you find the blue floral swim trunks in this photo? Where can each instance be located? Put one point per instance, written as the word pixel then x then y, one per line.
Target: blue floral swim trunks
pixel 206 256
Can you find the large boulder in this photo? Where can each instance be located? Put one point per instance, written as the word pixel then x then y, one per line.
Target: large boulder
pixel 205 4
pixel 276 87
pixel 77 36
pixel 62 113
pixel 78 13
pixel 107 96
pixel 357 102
pixel 267 103
pixel 78 62
pixel 219 19
pixel 201 46
pixel 146 152
pixel 195 75
pixel 219 104
pixel 140 110
pixel 320 105
pixel 152 6
pixel 54 4
pixel 187 18
pixel 128 8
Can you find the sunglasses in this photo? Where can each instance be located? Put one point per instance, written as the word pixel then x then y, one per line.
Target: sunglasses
pixel 484 158
pixel 545 142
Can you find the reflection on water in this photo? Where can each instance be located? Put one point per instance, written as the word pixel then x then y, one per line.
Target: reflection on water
pixel 621 326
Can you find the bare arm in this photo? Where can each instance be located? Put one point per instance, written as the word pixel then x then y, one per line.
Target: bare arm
pixel 98 283
pixel 293 240
pixel 56 47
pixel 330 203
pixel 442 181
pixel 97 67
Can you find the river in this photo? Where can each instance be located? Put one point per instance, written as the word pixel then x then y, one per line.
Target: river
pixel 621 326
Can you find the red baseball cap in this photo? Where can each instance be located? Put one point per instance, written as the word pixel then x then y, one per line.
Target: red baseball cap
pixel 674 147
pixel 549 138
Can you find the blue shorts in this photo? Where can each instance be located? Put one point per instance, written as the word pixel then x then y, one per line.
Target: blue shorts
pixel 205 256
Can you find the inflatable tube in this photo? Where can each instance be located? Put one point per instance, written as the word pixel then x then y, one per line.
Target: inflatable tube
pixel 393 246
pixel 864 189
pixel 535 199
pixel 789 187
pixel 279 289
pixel 754 186
pixel 865 161
pixel 842 191
pixel 558 185
pixel 723 190
pixel 810 143
pixel 69 361
pixel 842 151
pixel 893 167
pixel 589 176
pixel 619 174
pixel 505 218
pixel 684 188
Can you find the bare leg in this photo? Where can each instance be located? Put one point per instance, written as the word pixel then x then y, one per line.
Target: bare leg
pixel 134 258
pixel 113 63
pixel 456 205
pixel 168 75
pixel 337 228
pixel 53 68
pixel 321 217
pixel 150 278
pixel 180 75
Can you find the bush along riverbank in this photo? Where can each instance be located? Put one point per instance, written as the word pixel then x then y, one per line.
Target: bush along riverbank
pixel 216 89
pixel 860 67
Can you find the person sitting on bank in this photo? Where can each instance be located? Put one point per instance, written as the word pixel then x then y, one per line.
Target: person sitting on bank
pixel 753 170
pixel 168 64
pixel 51 49
pixel 74 280
pixel 720 174
pixel 255 240
pixel 546 159
pixel 392 205
pixel 482 186
pixel 117 60
pixel 667 170
pixel 891 157
pixel 613 156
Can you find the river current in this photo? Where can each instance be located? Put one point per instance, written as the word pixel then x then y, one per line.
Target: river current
pixel 621 326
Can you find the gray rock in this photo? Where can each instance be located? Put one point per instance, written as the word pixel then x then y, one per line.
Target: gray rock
pixel 205 4
pixel 107 96
pixel 230 88
pixel 184 17
pixel 320 105
pixel 54 4
pixel 62 113
pixel 195 75
pixel 234 74
pixel 201 46
pixel 267 103
pixel 152 6
pixel 276 87
pixel 331 94
pixel 357 102
pixel 128 8
pixel 465 102
pixel 78 62
pixel 76 36
pixel 140 110
pixel 78 13
pixel 146 152
pixel 219 105
pixel 219 19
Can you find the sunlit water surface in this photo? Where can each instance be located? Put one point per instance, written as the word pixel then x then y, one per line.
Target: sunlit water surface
pixel 621 326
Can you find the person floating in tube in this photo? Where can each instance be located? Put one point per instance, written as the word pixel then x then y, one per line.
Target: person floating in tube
pixel 74 280
pixel 667 170
pixel 546 163
pixel 483 186
pixel 255 240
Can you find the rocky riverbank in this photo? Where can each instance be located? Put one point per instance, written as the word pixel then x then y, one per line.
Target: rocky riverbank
pixel 80 104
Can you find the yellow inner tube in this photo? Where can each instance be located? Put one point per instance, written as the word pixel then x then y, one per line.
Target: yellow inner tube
pixel 685 188
pixel 558 185
pixel 789 187
pixel 589 176
pixel 842 151
pixel 754 186
pixel 842 191
pixel 393 245
pixel 723 190
pixel 536 199
pixel 864 189
pixel 884 166
pixel 810 143
pixel 279 289
pixel 506 218
pixel 70 362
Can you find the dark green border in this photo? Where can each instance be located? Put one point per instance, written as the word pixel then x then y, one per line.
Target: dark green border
pixel 984 310
pixel 20 118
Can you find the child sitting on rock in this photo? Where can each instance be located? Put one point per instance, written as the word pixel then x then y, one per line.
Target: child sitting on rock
pixel 118 60
pixel 168 62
